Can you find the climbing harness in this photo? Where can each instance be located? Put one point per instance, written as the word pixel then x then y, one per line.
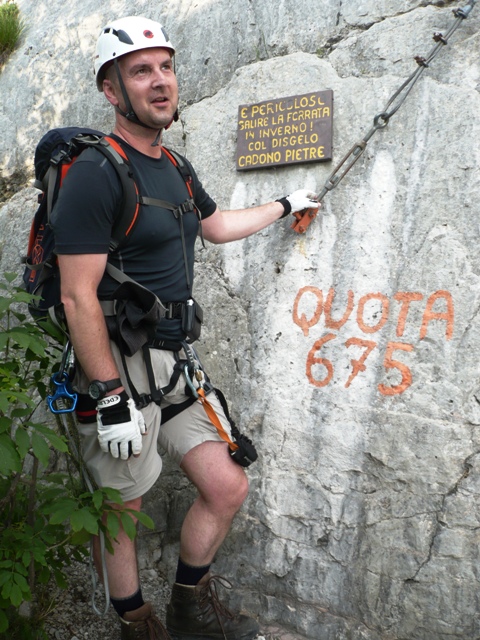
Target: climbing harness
pixel 305 217
pixel 197 388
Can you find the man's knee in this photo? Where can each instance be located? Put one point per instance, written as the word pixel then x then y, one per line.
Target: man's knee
pixel 217 477
pixel 232 488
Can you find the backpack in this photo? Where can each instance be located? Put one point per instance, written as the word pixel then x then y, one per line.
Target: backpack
pixel 54 155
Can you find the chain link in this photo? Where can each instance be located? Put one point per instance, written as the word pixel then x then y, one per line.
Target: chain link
pixel 395 102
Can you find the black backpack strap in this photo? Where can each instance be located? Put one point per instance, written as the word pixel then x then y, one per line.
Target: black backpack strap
pixel 130 203
pixel 182 166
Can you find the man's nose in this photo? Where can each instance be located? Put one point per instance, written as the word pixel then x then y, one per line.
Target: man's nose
pixel 159 78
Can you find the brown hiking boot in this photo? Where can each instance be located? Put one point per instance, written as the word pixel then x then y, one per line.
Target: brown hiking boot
pixel 196 613
pixel 143 624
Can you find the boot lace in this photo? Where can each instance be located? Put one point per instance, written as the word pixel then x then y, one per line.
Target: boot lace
pixel 151 629
pixel 208 598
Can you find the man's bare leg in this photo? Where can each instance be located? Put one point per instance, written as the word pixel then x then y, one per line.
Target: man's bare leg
pixel 223 487
pixel 122 567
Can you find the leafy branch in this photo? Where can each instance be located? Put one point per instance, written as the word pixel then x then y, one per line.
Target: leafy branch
pixel 46 517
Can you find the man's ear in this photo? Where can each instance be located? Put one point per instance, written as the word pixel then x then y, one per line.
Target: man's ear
pixel 109 89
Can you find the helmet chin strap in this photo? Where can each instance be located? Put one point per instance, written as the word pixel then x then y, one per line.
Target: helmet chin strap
pixel 130 114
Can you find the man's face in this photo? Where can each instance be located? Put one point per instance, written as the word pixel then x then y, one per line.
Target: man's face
pixel 151 85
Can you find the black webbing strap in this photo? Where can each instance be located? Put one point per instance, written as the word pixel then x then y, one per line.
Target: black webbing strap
pixel 184 249
pixel 156 394
pixel 178 211
pixel 223 402
pixel 172 410
pixel 185 207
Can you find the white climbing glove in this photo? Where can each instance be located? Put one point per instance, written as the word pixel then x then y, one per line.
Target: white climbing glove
pixel 298 201
pixel 120 426
pixel 302 199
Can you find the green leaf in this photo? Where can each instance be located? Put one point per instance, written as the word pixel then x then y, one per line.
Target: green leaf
pixel 4 304
pixel 9 458
pixel 22 438
pixel 16 595
pixel 44 575
pixel 20 336
pixel 5 576
pixel 52 330
pixel 144 519
pixel 21 568
pixel 80 538
pixel 113 524
pixel 51 494
pixel 37 346
pixel 20 412
pixel 52 437
pixel 128 525
pixel 40 449
pixel 60 579
pixel 5 424
pixel 22 583
pixel 26 557
pixel 39 557
pixel 113 495
pixel 97 499
pixel 3 622
pixel 7 589
pixel 61 510
pixel 83 519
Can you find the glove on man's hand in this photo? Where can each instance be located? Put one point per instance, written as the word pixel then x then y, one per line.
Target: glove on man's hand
pixel 120 426
pixel 298 201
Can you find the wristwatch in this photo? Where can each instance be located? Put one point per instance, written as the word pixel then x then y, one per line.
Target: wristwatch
pixel 98 389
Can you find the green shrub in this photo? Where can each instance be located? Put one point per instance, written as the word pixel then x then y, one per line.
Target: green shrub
pixel 46 517
pixel 11 27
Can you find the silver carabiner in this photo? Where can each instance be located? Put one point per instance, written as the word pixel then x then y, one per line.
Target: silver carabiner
pixel 189 381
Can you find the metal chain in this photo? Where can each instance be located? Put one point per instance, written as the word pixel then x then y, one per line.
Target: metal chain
pixel 393 105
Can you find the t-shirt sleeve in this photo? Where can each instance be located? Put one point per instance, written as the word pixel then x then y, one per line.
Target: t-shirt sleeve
pixel 204 202
pixel 84 212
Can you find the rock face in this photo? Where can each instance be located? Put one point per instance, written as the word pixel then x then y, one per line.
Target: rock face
pixel 350 353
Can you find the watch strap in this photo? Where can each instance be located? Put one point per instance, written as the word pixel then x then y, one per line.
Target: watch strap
pixel 110 385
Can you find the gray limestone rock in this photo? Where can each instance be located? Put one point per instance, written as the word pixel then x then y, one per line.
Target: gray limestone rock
pixel 350 353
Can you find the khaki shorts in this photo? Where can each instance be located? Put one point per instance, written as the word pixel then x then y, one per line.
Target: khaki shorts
pixel 135 476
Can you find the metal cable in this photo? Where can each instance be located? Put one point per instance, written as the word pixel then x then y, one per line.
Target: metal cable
pixel 395 102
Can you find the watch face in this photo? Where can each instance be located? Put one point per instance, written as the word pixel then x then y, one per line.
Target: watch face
pixel 98 389
pixel 95 391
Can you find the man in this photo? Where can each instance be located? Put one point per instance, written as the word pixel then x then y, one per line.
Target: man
pixel 134 69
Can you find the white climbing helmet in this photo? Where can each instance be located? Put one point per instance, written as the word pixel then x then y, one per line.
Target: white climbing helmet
pixel 124 36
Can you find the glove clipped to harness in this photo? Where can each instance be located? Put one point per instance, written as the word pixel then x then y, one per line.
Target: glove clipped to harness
pixel 246 453
pixel 298 201
pixel 120 426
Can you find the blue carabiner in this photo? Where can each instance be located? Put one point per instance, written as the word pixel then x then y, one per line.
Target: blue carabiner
pixel 62 394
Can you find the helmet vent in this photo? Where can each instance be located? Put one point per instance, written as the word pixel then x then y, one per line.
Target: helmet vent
pixel 122 36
